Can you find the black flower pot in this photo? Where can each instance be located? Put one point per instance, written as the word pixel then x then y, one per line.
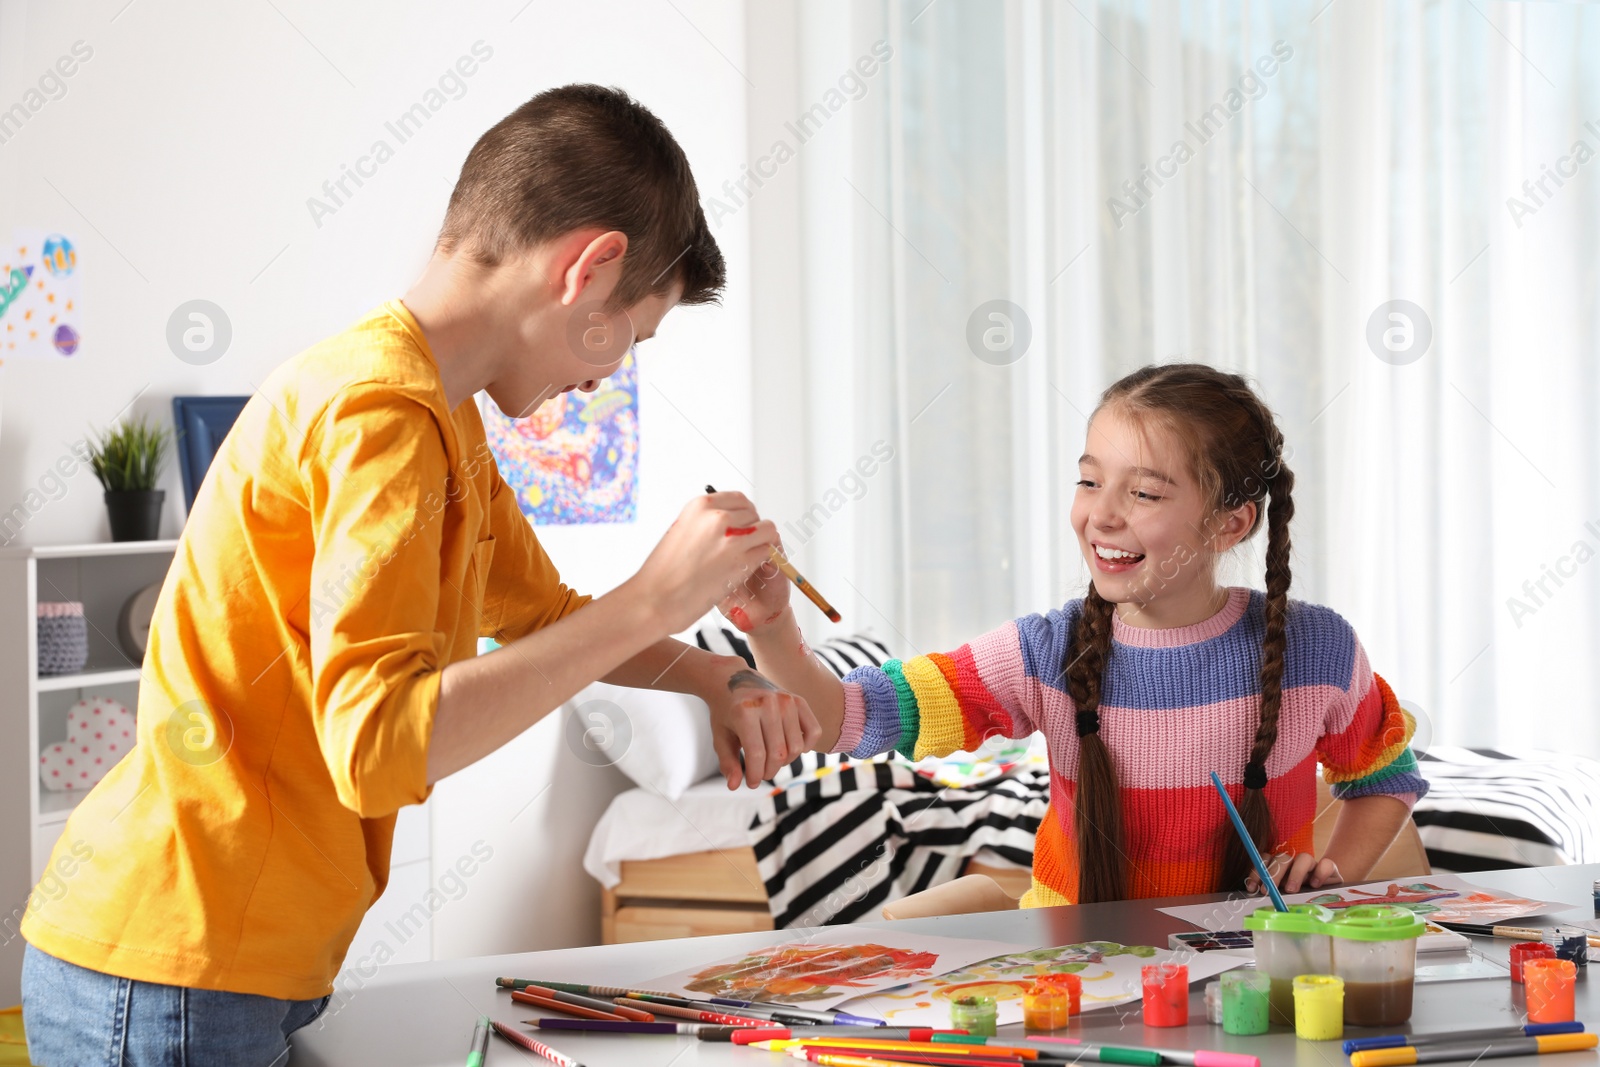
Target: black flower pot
pixel 135 513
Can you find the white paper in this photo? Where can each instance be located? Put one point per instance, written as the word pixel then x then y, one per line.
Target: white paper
pixel 1436 897
pixel 1109 970
pixel 830 966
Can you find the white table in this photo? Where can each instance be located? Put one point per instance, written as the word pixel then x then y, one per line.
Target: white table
pixel 422 1015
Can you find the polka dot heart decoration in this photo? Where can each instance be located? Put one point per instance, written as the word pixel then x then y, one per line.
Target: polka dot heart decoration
pixel 99 732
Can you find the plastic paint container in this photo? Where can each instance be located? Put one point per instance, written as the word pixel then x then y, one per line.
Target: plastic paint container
pixel 1214 1002
pixel 1288 944
pixel 1597 897
pixel 1570 943
pixel 1166 994
pixel 1550 986
pixel 1069 984
pixel 1045 1007
pixel 1375 955
pixel 1244 1002
pixel 1318 1007
pixel 1523 951
pixel 975 1015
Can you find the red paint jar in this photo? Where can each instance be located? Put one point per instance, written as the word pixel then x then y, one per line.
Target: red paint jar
pixel 1071 985
pixel 1166 994
pixel 1528 950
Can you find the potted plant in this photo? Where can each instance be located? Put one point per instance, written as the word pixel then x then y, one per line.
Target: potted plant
pixel 128 460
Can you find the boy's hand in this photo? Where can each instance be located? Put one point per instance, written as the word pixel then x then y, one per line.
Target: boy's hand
pixel 759 602
pixel 717 543
pixel 769 726
pixel 1297 873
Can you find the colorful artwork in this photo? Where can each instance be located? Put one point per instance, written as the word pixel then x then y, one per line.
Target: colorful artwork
pixel 1109 970
pixel 1440 897
pixel 576 458
pixel 831 966
pixel 39 307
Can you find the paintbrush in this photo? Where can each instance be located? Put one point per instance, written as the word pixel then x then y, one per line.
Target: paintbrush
pixel 788 571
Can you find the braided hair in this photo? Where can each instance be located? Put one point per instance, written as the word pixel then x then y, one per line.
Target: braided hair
pixel 1237 452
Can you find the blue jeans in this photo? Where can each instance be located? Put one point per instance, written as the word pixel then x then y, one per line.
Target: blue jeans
pixel 82 1018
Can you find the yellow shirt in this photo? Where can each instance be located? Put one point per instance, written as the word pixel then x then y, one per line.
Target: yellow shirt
pixel 351 538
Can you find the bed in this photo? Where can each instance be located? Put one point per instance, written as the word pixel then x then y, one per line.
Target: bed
pixel 832 840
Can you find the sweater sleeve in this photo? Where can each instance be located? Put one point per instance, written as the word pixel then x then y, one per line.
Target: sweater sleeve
pixel 936 704
pixel 1365 749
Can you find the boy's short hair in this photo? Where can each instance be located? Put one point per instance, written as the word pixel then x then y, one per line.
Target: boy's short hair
pixel 582 156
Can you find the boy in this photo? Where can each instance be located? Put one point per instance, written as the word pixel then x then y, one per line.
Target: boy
pixel 311 662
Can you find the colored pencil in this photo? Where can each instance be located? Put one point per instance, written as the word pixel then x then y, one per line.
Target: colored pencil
pixel 877 1033
pixel 698 1015
pixel 594 1003
pixel 1249 845
pixel 1515 933
pixel 480 1042
pixel 788 571
pixel 931 1058
pixel 607 1026
pixel 522 996
pixel 576 987
pixel 1517 1046
pixel 561 1059
pixel 785 1016
pixel 1361 1044
pixel 1210 1057
pixel 832 1059
pixel 826 1040
pixel 827 1018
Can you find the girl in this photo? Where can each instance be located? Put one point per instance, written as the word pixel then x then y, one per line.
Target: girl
pixel 1158 676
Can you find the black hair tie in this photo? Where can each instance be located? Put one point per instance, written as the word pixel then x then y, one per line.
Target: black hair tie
pixel 1088 723
pixel 1255 775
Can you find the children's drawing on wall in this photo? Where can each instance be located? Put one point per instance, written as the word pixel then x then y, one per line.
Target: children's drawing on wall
pixel 39 307
pixel 575 459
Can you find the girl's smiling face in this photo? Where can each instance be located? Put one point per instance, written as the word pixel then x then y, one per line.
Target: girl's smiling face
pixel 1147 529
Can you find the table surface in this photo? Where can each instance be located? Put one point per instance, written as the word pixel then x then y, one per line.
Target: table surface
pixel 423 1014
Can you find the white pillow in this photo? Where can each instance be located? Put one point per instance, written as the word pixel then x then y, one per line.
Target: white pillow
pixel 660 740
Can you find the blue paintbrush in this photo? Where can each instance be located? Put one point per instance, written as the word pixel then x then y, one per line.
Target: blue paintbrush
pixel 1249 845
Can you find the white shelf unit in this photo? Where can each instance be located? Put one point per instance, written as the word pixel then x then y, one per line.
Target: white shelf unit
pixel 33 710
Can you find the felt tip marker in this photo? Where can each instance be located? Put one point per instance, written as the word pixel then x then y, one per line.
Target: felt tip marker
pixel 480 1042
pixel 886 1033
pixel 1189 1057
pixel 1515 1046
pixel 830 1018
pixel 606 1026
pixel 1361 1044
pixel 535 1046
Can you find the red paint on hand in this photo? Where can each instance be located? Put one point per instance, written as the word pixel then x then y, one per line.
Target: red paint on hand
pixel 738 531
pixel 740 619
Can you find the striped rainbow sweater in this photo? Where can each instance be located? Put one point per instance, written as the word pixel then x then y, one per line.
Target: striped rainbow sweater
pixel 1176 704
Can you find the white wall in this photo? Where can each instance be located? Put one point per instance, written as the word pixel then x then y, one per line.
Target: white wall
pixel 181 159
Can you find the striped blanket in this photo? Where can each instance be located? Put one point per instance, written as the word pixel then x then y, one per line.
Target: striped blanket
pixel 1490 809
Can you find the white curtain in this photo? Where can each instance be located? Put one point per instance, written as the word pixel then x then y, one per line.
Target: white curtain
pixel 1340 156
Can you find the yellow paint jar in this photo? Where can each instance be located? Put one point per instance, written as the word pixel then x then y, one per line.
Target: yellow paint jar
pixel 1318 1007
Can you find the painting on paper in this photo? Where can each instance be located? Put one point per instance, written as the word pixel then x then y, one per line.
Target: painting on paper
pixel 1109 972
pixel 39 306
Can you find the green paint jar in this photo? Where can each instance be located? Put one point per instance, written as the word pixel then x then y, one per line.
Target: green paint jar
pixel 1244 1002
pixel 975 1015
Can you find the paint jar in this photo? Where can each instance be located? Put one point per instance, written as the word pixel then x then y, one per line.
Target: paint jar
pixel 975 1015
pixel 1069 984
pixel 1244 1002
pixel 1551 989
pixel 1166 994
pixel 1214 1002
pixel 1375 955
pixel 1318 1007
pixel 1287 944
pixel 1523 951
pixel 1570 943
pixel 1045 1007
pixel 1597 897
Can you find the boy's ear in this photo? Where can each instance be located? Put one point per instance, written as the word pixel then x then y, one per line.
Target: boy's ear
pixel 595 267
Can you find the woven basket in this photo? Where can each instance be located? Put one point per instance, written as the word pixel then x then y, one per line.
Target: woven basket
pixel 63 638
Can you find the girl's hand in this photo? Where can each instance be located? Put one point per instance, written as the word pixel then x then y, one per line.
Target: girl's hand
pixel 1294 873
pixel 759 603
pixel 718 542
pixel 756 727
